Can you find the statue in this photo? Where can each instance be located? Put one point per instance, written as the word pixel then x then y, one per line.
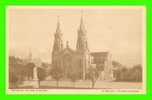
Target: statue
pixel 35 78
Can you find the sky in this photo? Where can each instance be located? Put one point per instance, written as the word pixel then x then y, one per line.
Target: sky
pixel 118 30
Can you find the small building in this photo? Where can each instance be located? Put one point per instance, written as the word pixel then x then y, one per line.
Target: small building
pixel 103 62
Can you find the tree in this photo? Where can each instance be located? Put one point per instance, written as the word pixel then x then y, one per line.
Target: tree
pixel 93 75
pixel 133 74
pixel 57 74
pixel 137 73
pixel 41 75
pixel 73 75
pixel 124 74
pixel 29 70
pixel 116 64
pixel 13 79
pixel 16 69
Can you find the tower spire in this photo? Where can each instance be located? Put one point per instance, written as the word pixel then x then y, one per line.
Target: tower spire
pixel 58 30
pixel 58 43
pixel 81 17
pixel 82 27
pixel 82 44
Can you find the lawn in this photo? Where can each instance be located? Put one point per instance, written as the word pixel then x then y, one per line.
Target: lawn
pixel 84 85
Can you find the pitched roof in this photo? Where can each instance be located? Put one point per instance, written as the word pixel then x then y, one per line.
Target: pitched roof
pixel 67 50
pixel 99 53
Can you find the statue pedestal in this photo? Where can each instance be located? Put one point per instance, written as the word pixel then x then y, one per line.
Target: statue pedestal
pixel 35 84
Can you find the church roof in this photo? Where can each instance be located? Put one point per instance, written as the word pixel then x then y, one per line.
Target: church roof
pixel 99 53
pixel 67 51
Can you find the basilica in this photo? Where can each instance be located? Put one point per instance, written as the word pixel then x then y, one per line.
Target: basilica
pixel 80 59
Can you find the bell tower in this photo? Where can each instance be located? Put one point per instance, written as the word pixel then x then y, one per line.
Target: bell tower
pixel 82 44
pixel 58 42
pixel 82 48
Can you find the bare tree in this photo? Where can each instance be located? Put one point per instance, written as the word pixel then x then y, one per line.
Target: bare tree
pixel 93 75
pixel 16 69
pixel 73 75
pixel 133 74
pixel 57 74
pixel 41 75
pixel 29 70
pixel 137 75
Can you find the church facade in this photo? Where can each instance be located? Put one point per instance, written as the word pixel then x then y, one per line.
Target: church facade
pixel 81 59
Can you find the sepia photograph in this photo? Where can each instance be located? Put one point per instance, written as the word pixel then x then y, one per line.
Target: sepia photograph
pixel 75 50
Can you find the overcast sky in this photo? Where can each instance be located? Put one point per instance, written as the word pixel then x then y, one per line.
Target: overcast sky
pixel 118 30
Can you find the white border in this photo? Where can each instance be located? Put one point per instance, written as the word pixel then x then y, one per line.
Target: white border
pixel 76 91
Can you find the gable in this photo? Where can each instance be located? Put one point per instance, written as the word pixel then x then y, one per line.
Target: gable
pixel 67 51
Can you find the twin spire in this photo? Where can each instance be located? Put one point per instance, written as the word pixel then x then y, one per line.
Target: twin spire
pixel 81 27
pixel 81 44
pixel 58 30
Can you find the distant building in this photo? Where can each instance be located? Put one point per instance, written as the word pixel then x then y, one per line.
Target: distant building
pixel 103 63
pixel 81 59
